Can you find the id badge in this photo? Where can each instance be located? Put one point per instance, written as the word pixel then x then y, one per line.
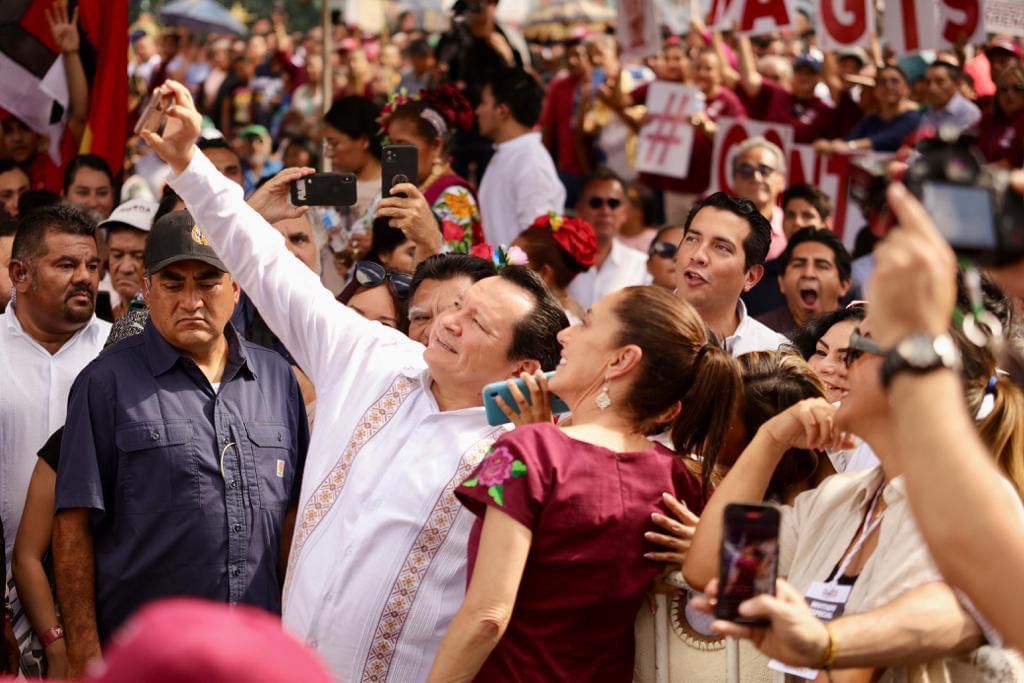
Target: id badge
pixel 827 602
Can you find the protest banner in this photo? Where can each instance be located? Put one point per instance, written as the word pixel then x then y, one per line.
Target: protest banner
pixel 756 17
pixel 845 24
pixel 666 140
pixel 829 172
pixel 1004 17
pixel 638 32
pixel 916 25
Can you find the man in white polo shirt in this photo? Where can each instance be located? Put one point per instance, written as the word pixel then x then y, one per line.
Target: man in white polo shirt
pixel 520 182
pixel 725 242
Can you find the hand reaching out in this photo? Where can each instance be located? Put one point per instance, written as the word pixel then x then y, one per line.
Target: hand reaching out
pixel 529 413
pixel 271 200
pixel 177 144
pixel 680 531
pixel 64 30
pixel 808 424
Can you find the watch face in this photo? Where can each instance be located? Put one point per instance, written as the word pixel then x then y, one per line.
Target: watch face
pixel 917 351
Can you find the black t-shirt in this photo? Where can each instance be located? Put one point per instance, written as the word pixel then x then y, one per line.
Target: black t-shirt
pixel 50 452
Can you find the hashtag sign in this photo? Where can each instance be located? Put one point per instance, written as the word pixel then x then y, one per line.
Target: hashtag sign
pixel 665 135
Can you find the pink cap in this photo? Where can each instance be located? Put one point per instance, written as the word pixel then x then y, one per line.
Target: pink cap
pixel 183 640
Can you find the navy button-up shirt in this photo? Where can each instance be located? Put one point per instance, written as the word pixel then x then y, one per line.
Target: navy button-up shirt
pixel 189 485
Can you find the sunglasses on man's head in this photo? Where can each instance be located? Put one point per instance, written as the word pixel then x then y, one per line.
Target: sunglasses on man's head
pixel 859 345
pixel 748 171
pixel 598 202
pixel 370 274
pixel 663 249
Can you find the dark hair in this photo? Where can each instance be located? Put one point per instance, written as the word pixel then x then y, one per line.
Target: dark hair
pixel 520 92
pixel 215 143
pixel 864 243
pixel 821 236
pixel 807 337
pixel 8 165
pixel 601 175
pixel 952 70
pixel 757 243
pixel 36 199
pixel 811 194
pixel 662 230
pixel 893 67
pixel 385 239
pixel 401 305
pixel 443 267
pixel 30 239
pixel 419 48
pixel 543 250
pixel 306 144
pixel 8 227
pixel 168 200
pixel 772 382
pixel 93 161
pixel 681 362
pixel 356 117
pixel 535 335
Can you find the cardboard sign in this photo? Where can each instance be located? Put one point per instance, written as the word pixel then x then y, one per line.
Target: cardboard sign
pixel 756 17
pixel 637 31
pixel 845 24
pixel 666 140
pixel 1004 16
pixel 916 25
pixel 730 133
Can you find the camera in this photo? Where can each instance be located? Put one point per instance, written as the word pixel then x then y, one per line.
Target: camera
pixel 971 203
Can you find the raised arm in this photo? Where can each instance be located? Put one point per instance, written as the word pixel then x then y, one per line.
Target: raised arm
pixel 65 34
pixel 315 328
pixel 750 78
pixel 487 609
pixel 807 424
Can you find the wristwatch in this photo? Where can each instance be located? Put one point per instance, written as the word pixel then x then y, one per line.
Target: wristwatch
pixel 51 636
pixel 920 353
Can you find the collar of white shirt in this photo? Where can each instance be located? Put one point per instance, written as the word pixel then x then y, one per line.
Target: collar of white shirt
pixel 92 331
pixel 525 140
pixel 751 335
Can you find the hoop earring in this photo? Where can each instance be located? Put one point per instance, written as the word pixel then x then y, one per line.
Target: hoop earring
pixel 603 400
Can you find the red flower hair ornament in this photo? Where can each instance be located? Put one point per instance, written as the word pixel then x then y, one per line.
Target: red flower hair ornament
pixel 574 235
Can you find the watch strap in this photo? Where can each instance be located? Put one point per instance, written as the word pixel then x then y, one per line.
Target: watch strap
pixel 51 636
pixel 918 354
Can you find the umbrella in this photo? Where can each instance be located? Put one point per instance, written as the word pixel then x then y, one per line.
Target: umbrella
pixel 201 16
pixel 559 20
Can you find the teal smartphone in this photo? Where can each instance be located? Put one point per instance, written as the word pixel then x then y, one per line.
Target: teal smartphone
pixel 495 415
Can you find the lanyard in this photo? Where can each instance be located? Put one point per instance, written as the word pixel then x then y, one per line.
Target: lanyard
pixel 869 527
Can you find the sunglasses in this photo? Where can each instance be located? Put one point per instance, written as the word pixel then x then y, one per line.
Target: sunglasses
pixel 1016 88
pixel 748 171
pixel 370 274
pixel 598 202
pixel 663 249
pixel 859 345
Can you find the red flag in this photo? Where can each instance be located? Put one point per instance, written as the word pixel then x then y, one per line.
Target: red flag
pixel 105 24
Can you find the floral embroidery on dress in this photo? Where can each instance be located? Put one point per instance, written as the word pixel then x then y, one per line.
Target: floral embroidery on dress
pixel 460 219
pixel 495 471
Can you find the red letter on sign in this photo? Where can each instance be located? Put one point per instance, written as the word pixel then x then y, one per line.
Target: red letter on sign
pixel 758 9
pixel 911 41
pixel 846 34
pixel 972 14
pixel 718 10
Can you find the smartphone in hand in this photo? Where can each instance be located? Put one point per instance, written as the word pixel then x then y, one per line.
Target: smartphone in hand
pixel 496 416
pixel 399 164
pixel 154 115
pixel 749 559
pixel 324 189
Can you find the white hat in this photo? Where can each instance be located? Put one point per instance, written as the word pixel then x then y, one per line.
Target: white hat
pixel 134 213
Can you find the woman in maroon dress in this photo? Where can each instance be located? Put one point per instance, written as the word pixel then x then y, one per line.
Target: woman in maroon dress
pixel 563 510
pixel 1001 130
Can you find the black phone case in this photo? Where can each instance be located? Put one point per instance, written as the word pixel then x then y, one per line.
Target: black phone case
pixel 325 189
pixel 399 164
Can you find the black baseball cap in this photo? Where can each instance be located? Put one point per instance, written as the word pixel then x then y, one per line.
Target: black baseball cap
pixel 176 237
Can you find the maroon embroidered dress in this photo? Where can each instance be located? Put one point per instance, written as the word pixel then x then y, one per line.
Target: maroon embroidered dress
pixel 585 578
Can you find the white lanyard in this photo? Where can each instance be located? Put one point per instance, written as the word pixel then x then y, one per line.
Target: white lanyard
pixel 869 527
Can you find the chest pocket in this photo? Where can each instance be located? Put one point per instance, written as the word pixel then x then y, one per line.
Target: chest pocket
pixel 156 466
pixel 275 462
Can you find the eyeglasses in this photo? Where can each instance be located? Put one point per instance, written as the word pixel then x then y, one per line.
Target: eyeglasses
pixel 370 274
pixel 598 202
pixel 859 345
pixel 1016 88
pixel 663 249
pixel 748 171
pixel 889 81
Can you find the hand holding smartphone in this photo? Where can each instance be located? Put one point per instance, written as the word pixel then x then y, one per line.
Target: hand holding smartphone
pixel 496 416
pixel 324 189
pixel 749 559
pixel 399 164
pixel 154 114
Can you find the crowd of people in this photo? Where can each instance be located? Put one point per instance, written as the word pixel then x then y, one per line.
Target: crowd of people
pixel 305 430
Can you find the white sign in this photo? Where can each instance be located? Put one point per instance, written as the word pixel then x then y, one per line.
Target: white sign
pixel 757 17
pixel 730 133
pixel 845 24
pixel 666 140
pixel 916 25
pixel 1004 16
pixel 638 32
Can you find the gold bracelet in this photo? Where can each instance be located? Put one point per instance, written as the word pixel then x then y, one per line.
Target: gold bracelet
pixel 830 651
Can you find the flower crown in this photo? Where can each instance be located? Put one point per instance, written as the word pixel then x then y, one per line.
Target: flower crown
pixel 502 256
pixel 445 106
pixel 574 235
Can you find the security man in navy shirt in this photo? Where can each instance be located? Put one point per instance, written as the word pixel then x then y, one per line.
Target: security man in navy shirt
pixel 182 456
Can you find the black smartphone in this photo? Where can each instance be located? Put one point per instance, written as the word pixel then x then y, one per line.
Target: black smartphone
pixel 325 189
pixel 399 164
pixel 749 559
